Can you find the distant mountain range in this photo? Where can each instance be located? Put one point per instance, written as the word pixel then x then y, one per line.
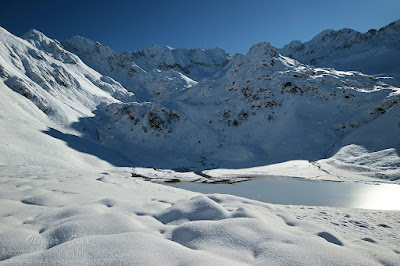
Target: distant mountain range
pixel 376 52
pixel 202 108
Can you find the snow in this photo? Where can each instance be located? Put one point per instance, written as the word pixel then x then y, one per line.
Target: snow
pixel 56 80
pixel 153 73
pixel 25 142
pixel 49 216
pixel 72 131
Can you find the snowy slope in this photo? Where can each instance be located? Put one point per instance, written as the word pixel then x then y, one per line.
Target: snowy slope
pixel 57 81
pixel 371 150
pixel 381 133
pixel 376 52
pixel 29 137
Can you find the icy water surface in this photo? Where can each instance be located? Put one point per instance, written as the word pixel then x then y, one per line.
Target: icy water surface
pixel 305 192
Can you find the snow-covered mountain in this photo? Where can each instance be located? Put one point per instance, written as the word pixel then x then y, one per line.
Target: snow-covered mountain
pixel 263 107
pixel 152 73
pixel 57 81
pixel 166 107
pixel 376 52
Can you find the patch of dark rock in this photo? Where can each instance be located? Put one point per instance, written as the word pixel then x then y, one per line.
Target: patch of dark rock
pixel 136 175
pixel 173 180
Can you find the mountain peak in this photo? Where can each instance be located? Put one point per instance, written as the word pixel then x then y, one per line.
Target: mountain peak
pixel 294 45
pixel 264 48
pixel 324 33
pixel 34 35
pixel 78 43
pixel 41 41
pixel 38 38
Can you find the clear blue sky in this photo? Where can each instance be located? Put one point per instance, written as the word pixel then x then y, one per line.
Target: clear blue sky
pixel 230 24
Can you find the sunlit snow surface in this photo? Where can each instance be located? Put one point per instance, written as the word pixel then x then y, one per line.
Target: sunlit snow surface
pixel 384 197
pixel 54 216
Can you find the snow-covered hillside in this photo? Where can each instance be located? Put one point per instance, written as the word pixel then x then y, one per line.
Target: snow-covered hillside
pixel 55 80
pixel 376 52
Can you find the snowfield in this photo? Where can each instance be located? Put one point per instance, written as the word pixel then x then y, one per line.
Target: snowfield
pixel 83 127
pixel 51 216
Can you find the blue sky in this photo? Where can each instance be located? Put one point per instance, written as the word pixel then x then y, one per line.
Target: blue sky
pixel 232 25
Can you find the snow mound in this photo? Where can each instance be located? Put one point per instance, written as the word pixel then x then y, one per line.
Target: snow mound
pixel 137 248
pixel 356 160
pixel 45 200
pixel 100 224
pixel 198 208
pixel 261 239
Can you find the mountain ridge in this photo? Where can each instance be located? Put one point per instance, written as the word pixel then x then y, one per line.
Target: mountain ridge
pixel 375 52
pixel 246 110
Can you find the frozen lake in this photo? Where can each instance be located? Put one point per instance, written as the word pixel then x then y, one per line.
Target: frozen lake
pixel 297 191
